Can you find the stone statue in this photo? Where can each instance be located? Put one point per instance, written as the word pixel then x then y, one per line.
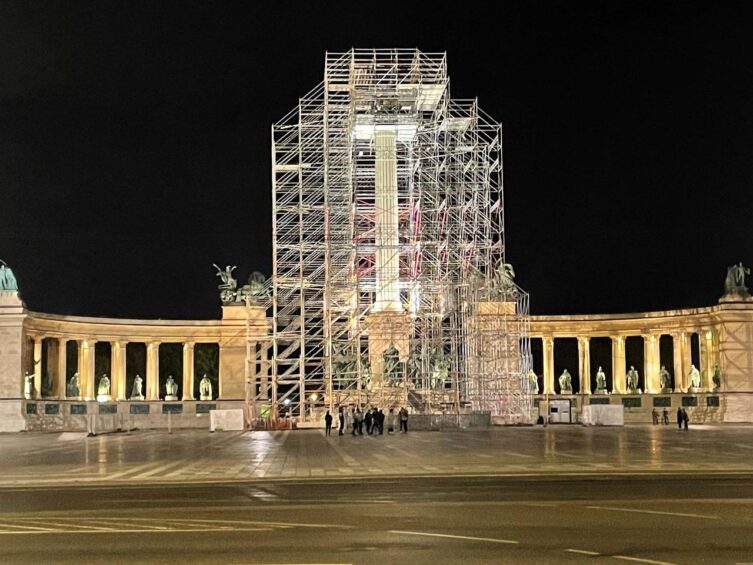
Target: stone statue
pixel 440 370
pixel 566 383
pixel 717 378
pixel 735 281
pixel 171 389
pixel 533 382
pixel 205 388
pixel 28 386
pixel 601 381
pixel 229 284
pixel 665 380
pixel 504 278
pixel 136 392
pixel 7 278
pixel 74 386
pixel 103 388
pixel 695 377
pixel 254 288
pixel 344 364
pixel 391 359
pixel 632 380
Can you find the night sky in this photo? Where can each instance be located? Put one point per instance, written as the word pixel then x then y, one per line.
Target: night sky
pixel 135 137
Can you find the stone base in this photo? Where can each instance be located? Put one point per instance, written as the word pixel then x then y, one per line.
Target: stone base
pixel 11 416
pixel 171 398
pixel 694 390
pixel 601 391
pixel 104 398
pixel 205 397
pixel 666 391
pixel 742 295
pixel 140 397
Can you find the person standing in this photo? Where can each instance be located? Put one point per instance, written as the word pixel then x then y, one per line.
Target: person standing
pixel 685 418
pixel 380 421
pixel 369 419
pixel 341 419
pixel 680 419
pixel 404 420
pixel 665 417
pixel 328 424
pixel 391 421
pixel 654 416
pixel 359 421
pixel 354 421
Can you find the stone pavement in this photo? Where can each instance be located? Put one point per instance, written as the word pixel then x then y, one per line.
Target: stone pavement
pixel 144 457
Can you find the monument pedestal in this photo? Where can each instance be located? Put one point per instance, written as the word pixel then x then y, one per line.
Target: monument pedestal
pixel 387 328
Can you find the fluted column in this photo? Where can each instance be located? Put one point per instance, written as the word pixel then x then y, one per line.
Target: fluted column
pixel 87 368
pixel 152 370
pixel 687 358
pixel 548 342
pixel 618 364
pixel 707 359
pixel 651 363
pixel 118 369
pixel 188 374
pixel 62 368
pixel 37 367
pixel 584 364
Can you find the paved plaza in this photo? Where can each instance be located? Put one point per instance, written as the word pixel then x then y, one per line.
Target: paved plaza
pixel 149 457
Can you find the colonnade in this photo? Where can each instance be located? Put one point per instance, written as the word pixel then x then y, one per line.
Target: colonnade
pixel 679 368
pixel 57 367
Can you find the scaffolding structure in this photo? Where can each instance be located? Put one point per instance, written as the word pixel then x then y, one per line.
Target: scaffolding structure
pixel 389 282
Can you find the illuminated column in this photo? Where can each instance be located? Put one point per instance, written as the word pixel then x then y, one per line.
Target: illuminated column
pixel 584 364
pixel 80 365
pixel 677 355
pixel 548 342
pixel 651 363
pixel 118 369
pixel 618 364
pixel 87 368
pixel 264 369
pixel 707 358
pixel 687 359
pixel 37 367
pixel 188 376
pixel 386 221
pixel 62 368
pixel 152 370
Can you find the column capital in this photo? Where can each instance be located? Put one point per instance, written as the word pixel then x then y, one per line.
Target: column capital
pixel 584 339
pixel 189 344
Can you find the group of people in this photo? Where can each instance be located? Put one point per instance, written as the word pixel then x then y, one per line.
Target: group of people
pixel 373 419
pixel 682 417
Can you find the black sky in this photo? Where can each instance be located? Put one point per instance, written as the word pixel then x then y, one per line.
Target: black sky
pixel 134 142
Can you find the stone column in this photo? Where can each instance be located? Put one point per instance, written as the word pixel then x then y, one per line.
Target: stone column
pixel 618 364
pixel 707 358
pixel 152 370
pixel 687 359
pixel 548 342
pixel 62 368
pixel 37 360
pixel 118 369
pixel 188 376
pixel 264 370
pixel 80 365
pixel 584 364
pixel 87 369
pixel 677 360
pixel 651 363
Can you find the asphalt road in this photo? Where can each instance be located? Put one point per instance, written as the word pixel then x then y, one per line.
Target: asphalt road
pixel 411 520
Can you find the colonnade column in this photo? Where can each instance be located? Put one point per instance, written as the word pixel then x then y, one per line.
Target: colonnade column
pixel 62 368
pixel 618 364
pixel 677 357
pixel 37 360
pixel 548 342
pixel 118 369
pixel 188 371
pixel 152 370
pixel 584 364
pixel 708 359
pixel 687 359
pixel 264 370
pixel 651 363
pixel 87 368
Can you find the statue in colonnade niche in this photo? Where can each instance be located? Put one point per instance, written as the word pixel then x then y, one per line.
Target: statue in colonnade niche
pixel 74 386
pixel 103 388
pixel 632 380
pixel 566 382
pixel 601 381
pixel 205 388
pixel 28 385
pixel 7 278
pixel 695 378
pixel 171 389
pixel 136 392
pixel 533 382
pixel 717 378
pixel 665 380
